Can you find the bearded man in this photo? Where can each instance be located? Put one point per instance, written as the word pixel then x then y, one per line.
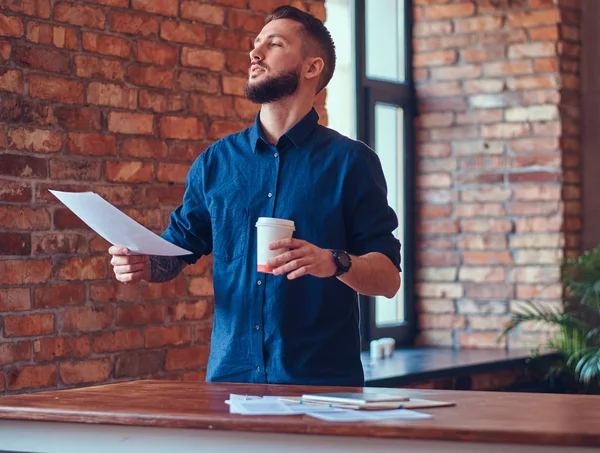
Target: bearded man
pixel 300 324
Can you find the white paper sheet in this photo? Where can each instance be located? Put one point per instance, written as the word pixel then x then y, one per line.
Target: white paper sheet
pixel 252 405
pixel 349 415
pixel 116 227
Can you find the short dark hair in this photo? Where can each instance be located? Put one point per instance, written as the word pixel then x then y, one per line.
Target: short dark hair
pixel 316 32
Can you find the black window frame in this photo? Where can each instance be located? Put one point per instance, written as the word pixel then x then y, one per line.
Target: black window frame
pixel 403 95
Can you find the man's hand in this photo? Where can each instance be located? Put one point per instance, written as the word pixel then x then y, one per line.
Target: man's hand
pixel 129 268
pixel 303 258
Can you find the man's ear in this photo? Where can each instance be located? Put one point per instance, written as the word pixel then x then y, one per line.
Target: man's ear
pixel 314 67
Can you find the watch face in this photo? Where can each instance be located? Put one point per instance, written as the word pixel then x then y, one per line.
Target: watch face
pixel 343 259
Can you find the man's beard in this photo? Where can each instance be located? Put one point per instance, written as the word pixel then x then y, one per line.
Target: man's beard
pixel 273 88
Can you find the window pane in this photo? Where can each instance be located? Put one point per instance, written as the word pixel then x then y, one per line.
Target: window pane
pixel 385 46
pixel 389 146
pixel 341 91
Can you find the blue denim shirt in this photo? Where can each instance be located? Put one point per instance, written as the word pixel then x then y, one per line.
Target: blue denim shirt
pixel 268 329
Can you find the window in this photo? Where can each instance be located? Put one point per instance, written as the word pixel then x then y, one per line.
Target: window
pixel 374 60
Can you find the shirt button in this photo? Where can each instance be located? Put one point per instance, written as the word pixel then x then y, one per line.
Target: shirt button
pixel 257 327
pixel 276 155
pixel 259 283
pixel 257 368
pixel 269 195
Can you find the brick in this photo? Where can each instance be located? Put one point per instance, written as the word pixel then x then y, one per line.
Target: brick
pixel 108 94
pixel 168 195
pixel 444 104
pixel 476 24
pixel 441 321
pixel 75 169
pixel 50 35
pixel 202 332
pixel 435 119
pixel 14 217
pixel 435 306
pixel 435 337
pixel 461 9
pixel 481 340
pixel 442 58
pixel 537 241
pixel 482 242
pixel 187 152
pixel 486 194
pixel 238 62
pixel 160 336
pixel 106 45
pixel 435 89
pixel 20 272
pixel 500 69
pixel 545 160
pixel 478 178
pixel 150 218
pixel 538 256
pixel 533 113
pixel 140 314
pixel 535 274
pixel 143 147
pixel 437 227
pixel 85 118
pixel 185 358
pixel 5 50
pixel 471 147
pixel 245 20
pixel 55 89
pixel 487 226
pixel 213 60
pixel 150 76
pixel 154 52
pixel 487 258
pixel 61 347
pixel 536 208
pixel 201 286
pixel 11 80
pixel 437 274
pixel 37 8
pixel 439 243
pixel 139 364
pixel 42 59
pixel 37 140
pixel 183 311
pixel 94 67
pixel 11 26
pixel 91 268
pixel 482 55
pixel 15 352
pixel 119 340
pixel 15 299
pixel 54 296
pixel 82 15
pixel 434 180
pixel 161 103
pixel 88 371
pixel 479 163
pixel 532 50
pixel 266 6
pixel 505 130
pixel 544 33
pixel 440 290
pixel 129 171
pixel 234 85
pixel 99 244
pixel 212 106
pixel 87 319
pixel 162 7
pixel 37 376
pixel 534 18
pixel 168 172
pixel 432 28
pixel 28 325
pixel 482 116
pixel 203 12
pixel 541 97
pixel 114 291
pixel 479 210
pixel 183 32
pixel 532 82
pixel 91 144
pixel 219 129
pixel 186 128
pixel 18 109
pixel 490 101
pixel 481 307
pixel 434 211
pixel 130 123
pixel 64 219
pixel 133 24
pixel 541 192
pixel 488 291
pixel 52 243
pixel 456 72
pixel 538 292
pixel 176 288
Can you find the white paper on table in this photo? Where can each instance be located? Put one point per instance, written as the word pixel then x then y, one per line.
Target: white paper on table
pixel 115 226
pixel 251 405
pixel 357 415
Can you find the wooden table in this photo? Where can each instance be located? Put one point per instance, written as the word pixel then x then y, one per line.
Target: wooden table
pixel 166 416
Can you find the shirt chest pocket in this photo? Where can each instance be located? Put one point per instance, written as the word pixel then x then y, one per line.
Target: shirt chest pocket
pixel 230 231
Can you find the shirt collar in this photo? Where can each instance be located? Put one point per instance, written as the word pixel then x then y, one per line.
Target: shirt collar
pixel 297 134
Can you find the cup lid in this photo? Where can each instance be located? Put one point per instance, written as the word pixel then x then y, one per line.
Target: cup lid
pixel 272 221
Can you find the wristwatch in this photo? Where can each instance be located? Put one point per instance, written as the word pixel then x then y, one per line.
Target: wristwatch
pixel 342 261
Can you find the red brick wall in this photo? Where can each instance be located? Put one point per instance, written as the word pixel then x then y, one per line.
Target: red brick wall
pixel 118 97
pixel 498 153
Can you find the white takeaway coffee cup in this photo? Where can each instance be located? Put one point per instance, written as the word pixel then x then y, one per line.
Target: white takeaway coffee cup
pixel 270 229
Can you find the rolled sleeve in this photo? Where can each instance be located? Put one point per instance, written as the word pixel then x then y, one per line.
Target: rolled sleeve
pixel 370 219
pixel 189 224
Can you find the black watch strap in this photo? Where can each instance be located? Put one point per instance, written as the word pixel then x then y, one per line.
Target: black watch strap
pixel 343 262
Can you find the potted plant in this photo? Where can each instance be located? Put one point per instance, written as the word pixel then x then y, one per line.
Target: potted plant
pixel 577 334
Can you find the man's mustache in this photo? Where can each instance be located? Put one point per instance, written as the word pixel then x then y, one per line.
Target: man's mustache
pixel 260 64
